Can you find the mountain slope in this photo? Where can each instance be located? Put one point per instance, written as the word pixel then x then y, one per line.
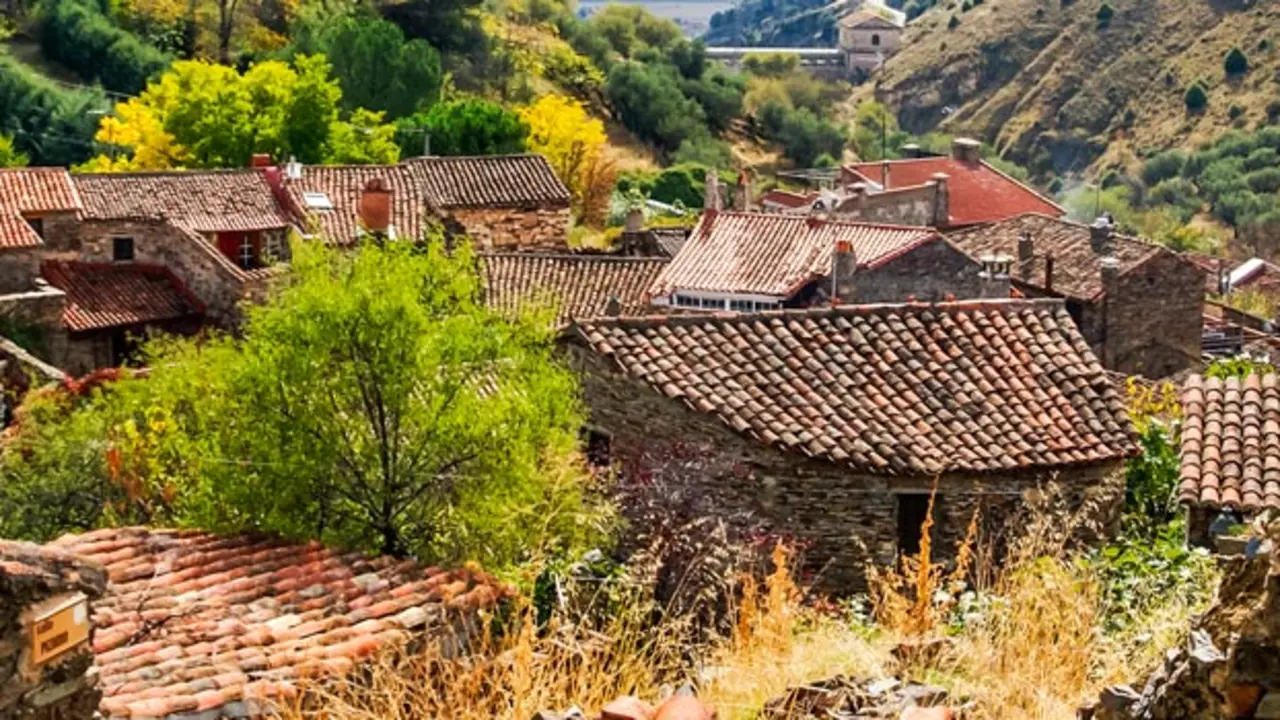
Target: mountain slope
pixel 1049 87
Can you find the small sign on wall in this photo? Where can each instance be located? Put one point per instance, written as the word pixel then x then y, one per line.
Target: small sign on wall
pixel 60 625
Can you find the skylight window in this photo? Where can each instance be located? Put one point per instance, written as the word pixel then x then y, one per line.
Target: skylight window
pixel 317 201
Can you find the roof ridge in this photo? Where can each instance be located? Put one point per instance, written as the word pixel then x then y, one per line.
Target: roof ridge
pixel 436 158
pixel 621 259
pixel 177 172
pixel 809 219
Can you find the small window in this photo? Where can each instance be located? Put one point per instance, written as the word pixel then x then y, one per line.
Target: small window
pixel 247 256
pixel 741 305
pixel 712 304
pixel 875 39
pixel 686 301
pixel 122 249
pixel 317 201
pixel 37 226
pixel 912 512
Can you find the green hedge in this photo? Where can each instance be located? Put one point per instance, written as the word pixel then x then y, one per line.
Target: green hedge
pixel 50 124
pixel 78 35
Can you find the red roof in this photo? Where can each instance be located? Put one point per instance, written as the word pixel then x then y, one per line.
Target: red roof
pixel 978 193
pixel 774 255
pixel 203 201
pixel 101 295
pixel 1231 443
pixel 788 199
pixel 327 197
pixel 202 626
pixel 32 191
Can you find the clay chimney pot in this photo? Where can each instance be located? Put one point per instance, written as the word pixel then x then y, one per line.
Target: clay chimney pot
pixel 375 206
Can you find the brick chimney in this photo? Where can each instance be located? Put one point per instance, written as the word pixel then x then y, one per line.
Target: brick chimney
pixel 711 197
pixel 941 200
pixel 375 207
pixel 742 191
pixel 634 220
pixel 46 651
pixel 1109 268
pixel 884 174
pixel 1048 271
pixel 260 160
pixel 993 280
pixel 1026 253
pixel 911 150
pixel 1100 233
pixel 966 150
pixel 843 267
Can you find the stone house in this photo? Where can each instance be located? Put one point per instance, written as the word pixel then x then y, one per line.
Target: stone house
pixel 185 624
pixel 833 425
pixel 759 261
pixel 868 38
pixel 1139 306
pixel 579 286
pixel 1230 451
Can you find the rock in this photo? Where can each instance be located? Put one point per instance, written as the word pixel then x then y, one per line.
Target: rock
pixel 923 695
pixel 1202 650
pixel 1118 697
pixel 880 687
pixel 1269 708
pixel 627 708
pixel 683 707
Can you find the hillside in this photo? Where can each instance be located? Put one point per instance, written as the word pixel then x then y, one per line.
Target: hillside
pixel 1047 84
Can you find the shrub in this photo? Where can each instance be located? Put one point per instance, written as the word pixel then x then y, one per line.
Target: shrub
pixel 1235 111
pixel 77 34
pixel 1163 166
pixel 648 100
pixel 1104 15
pixel 1235 63
pixel 703 151
pixel 474 127
pixel 1196 98
pixel 1265 181
pixel 1273 111
pixel 953 23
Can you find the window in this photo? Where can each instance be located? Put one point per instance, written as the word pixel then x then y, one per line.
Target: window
pixel 875 39
pixel 317 201
pixel 741 305
pixel 246 255
pixel 122 249
pixel 912 510
pixel 712 304
pixel 686 301
pixel 37 226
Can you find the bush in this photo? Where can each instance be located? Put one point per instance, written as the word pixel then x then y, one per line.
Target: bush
pixel 1196 97
pixel 1273 111
pixel 805 137
pixel 649 102
pixel 57 126
pixel 1265 181
pixel 1162 167
pixel 1104 15
pixel 1263 157
pixel 703 151
pixel 720 94
pixel 77 34
pixel 474 127
pixel 1235 111
pixel 1235 63
pixel 953 23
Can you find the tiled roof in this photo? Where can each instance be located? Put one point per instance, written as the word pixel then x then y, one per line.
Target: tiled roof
pixel 774 254
pixel 1231 443
pixel 1077 267
pixel 204 201
pixel 32 191
pixel 498 181
pixel 103 295
pixel 342 185
pixel 1259 276
pixel 670 239
pixel 581 285
pixel 977 192
pixel 195 625
pixel 789 199
pixel 888 389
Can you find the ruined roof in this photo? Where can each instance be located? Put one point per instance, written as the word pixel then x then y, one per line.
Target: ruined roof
pixel 341 186
pixel 1231 443
pixel 107 295
pixel 789 199
pixel 203 201
pixel 774 254
pixel 491 181
pixel 198 625
pixel 912 390
pixel 1077 267
pixel 580 285
pixel 32 191
pixel 977 192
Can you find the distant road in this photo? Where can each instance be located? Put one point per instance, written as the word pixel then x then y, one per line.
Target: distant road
pixel 692 15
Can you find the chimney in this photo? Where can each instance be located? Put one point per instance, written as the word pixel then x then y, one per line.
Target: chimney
pixel 1110 270
pixel 375 206
pixel 843 267
pixel 260 160
pixel 635 219
pixel 614 307
pixel 1109 267
pixel 711 198
pixel 293 169
pixel 994 277
pixel 1048 271
pixel 884 175
pixel 911 150
pixel 966 150
pixel 46 629
pixel 1100 235
pixel 941 200
pixel 742 192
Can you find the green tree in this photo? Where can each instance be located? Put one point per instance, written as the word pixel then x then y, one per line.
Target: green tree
pixel 77 34
pixel 362 140
pixel 10 156
pixel 648 100
pixel 632 28
pixel 1235 63
pixel 1196 98
pixel 1104 15
pixel 876 134
pixel 379 70
pixel 373 402
pixel 1163 166
pixel 474 127
pixel 805 137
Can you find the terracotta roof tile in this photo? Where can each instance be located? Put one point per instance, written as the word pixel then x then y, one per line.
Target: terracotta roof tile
pixel 32 191
pixel 978 193
pixel 1077 268
pixel 1231 443
pixel 194 623
pixel 909 390
pixel 580 285
pixel 203 201
pixel 341 186
pixel 773 254
pixel 15 233
pixel 489 181
pixel 101 295
pixel 789 199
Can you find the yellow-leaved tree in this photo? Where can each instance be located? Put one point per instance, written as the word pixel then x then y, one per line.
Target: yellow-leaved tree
pixel 574 143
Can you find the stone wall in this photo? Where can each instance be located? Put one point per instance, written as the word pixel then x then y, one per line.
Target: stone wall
pixel 1153 326
pixel 514 228
pixel 901 206
pixel 840 518
pixel 929 272
pixel 196 264
pixel 61 232
pixel 19 269
pixel 44 673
